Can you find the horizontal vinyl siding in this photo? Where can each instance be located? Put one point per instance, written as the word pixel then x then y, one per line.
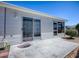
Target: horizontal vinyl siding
pixel 46 28
pixel 13 26
pixel 46 25
pixel 13 22
pixel 1 23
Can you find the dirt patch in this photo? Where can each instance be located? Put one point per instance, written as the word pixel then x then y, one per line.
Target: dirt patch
pixel 76 40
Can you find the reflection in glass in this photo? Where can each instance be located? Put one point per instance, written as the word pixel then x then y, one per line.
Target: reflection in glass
pixel 55 26
pixel 37 28
pixel 27 27
pixel 60 27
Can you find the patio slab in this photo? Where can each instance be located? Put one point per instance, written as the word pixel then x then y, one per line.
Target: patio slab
pixel 47 48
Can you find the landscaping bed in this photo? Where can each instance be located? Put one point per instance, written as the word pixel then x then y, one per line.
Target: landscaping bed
pixel 4 49
pixel 4 53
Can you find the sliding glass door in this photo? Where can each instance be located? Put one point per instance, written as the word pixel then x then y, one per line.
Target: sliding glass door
pixel 27 28
pixel 55 28
pixel 31 28
pixel 37 28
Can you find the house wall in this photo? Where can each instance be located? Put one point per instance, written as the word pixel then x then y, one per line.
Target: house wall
pixel 46 25
pixel 14 25
pixel 1 23
pixel 47 28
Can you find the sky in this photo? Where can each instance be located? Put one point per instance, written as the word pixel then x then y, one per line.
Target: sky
pixel 68 10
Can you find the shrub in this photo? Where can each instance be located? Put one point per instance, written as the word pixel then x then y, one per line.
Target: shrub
pixel 71 33
pixel 77 28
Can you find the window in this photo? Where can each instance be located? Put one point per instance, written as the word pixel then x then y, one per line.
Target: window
pixel 37 28
pixel 60 27
pixel 55 26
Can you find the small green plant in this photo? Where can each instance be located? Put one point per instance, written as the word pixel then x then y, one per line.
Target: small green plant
pixel 71 33
pixel 2 46
pixel 6 45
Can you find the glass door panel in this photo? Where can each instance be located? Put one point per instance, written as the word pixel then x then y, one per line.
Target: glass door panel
pixel 27 28
pixel 37 28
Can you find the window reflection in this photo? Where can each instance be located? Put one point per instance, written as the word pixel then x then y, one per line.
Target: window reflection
pixel 27 27
pixel 60 27
pixel 37 28
pixel 55 28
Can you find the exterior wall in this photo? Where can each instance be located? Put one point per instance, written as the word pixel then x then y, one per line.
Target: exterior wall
pixel 46 28
pixel 14 24
pixel 46 25
pixel 13 31
pixel 13 27
pixel 1 23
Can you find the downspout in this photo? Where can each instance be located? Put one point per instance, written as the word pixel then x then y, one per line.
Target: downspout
pixel 33 30
pixel 4 23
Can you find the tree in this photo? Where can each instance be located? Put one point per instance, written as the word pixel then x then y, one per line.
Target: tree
pixel 71 33
pixel 77 28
